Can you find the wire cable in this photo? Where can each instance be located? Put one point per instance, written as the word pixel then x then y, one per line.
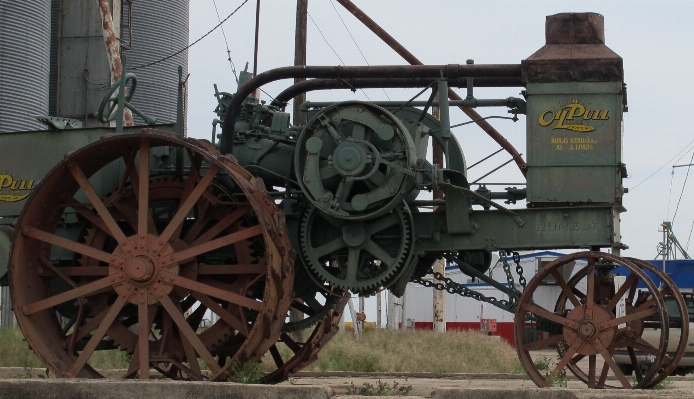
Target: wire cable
pixel 192 44
pixel 231 63
pixel 355 42
pixel 331 47
pixel 666 164
pixel 682 192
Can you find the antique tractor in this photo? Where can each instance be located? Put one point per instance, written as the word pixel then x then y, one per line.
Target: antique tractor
pixel 130 239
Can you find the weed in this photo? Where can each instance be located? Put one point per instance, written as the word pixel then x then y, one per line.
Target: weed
pixel 246 373
pixel 380 389
pixel 542 363
pixel 411 351
pixel 664 383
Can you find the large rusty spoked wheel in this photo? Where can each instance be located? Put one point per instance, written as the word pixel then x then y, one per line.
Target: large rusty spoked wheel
pixel 631 340
pixel 299 355
pixel 135 261
pixel 587 325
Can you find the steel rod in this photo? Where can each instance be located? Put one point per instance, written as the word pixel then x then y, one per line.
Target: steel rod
pixel 409 57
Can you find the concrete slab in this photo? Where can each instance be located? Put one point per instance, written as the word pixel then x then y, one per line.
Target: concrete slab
pixel 114 389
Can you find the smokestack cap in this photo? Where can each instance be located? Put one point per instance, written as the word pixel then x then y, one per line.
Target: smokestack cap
pixel 575 28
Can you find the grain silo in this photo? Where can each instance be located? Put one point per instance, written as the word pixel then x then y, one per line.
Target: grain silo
pixel 25 31
pixel 159 29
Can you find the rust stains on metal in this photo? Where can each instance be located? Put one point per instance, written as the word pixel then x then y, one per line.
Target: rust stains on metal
pixel 113 50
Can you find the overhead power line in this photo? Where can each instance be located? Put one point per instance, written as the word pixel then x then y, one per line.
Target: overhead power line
pixel 192 44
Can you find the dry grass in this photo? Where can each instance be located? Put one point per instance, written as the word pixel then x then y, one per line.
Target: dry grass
pixel 415 351
pixel 15 352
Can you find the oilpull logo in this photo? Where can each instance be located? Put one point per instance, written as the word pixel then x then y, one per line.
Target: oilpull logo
pixel 13 190
pixel 573 115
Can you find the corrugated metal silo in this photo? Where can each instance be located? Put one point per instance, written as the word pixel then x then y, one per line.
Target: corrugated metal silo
pixel 160 28
pixel 25 29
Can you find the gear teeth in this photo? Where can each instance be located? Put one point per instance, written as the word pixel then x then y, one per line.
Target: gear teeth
pixel 369 286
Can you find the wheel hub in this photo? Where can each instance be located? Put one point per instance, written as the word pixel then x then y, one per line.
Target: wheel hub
pixel 349 159
pixel 353 234
pixel 588 330
pixel 140 268
pixel 143 267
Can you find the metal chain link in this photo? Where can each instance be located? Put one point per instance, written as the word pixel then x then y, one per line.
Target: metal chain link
pixel 450 286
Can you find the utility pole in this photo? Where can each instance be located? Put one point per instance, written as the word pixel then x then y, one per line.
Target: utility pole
pixel 300 52
pixel 378 309
pixel 257 30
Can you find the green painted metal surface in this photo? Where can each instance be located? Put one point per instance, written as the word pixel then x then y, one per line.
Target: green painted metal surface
pixel 574 143
pixel 26 157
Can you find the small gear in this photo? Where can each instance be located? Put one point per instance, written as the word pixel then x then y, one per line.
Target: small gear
pixel 359 256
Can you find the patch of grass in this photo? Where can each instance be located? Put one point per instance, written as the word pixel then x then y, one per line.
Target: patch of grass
pixel 246 373
pixel 380 389
pixel 664 383
pixel 412 351
pixel 547 365
pixel 15 352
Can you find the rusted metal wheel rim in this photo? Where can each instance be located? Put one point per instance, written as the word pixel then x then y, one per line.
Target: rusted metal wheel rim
pixel 304 353
pixel 148 268
pixel 588 329
pixel 629 336
pixel 671 288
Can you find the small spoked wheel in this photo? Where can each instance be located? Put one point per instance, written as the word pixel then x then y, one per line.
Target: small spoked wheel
pixel 585 324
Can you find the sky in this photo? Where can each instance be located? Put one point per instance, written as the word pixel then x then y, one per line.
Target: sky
pixel 655 39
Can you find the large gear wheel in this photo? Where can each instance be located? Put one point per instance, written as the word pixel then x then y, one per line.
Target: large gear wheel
pixel 358 256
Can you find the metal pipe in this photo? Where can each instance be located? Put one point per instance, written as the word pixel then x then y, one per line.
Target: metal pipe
pixel 353 84
pixel 511 102
pixel 409 57
pixel 339 72
pixel 444 117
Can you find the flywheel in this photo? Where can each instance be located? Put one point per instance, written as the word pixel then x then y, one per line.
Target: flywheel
pixel 355 161
pixel 155 256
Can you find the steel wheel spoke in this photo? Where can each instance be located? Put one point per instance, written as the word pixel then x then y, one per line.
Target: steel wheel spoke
pixel 626 319
pixel 607 356
pixel 209 246
pixel 223 314
pixel 103 212
pixel 591 371
pixel 633 279
pixel 187 331
pixel 382 224
pixel 379 253
pixel 57 271
pixel 565 288
pixel 98 335
pixel 217 229
pixel 74 293
pixel 212 291
pixel 329 247
pixel 82 271
pixel 187 205
pixel 303 308
pixel 291 344
pixel 635 363
pixel 343 189
pixel 603 375
pixel 549 315
pixel 69 245
pixel 143 332
pixel 352 265
pixel 567 357
pixel 143 198
pixel 590 291
pixel 276 356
